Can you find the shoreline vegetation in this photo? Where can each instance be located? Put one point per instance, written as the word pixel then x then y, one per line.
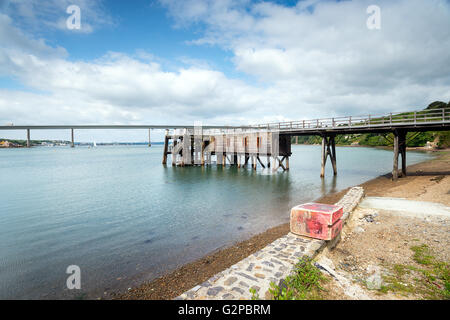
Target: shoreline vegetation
pixel 178 281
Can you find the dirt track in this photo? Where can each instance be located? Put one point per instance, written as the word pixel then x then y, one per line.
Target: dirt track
pixel 385 243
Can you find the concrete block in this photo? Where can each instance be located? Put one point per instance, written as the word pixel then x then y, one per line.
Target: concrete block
pixel 315 220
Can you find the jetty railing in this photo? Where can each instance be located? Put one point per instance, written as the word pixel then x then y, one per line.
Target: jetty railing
pixel 400 118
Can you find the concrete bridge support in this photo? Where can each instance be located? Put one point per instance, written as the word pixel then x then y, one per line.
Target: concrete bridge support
pixel 399 149
pixel 28 138
pixel 328 149
pixel 72 142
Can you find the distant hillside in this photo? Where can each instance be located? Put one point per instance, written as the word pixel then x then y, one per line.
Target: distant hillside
pixel 438 139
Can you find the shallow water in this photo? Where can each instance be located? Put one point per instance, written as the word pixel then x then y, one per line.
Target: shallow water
pixel 123 218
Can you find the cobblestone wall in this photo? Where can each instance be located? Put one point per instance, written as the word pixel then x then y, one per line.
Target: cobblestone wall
pixel 271 264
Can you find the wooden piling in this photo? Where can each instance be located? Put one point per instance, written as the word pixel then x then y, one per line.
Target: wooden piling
pixel 202 156
pixel 174 153
pixel 324 157
pixel 333 154
pixel 402 150
pixel 328 149
pixel 192 150
pixel 166 146
pixel 395 167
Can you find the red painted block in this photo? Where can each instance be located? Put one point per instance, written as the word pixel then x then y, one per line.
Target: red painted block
pixel 316 220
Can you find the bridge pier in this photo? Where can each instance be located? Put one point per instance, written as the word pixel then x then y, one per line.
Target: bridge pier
pixel 399 149
pixel 328 149
pixel 28 139
pixel 72 142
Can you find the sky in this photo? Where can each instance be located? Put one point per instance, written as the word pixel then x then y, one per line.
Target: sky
pixel 221 62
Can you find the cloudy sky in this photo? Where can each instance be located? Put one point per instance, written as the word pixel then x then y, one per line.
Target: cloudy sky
pixel 218 62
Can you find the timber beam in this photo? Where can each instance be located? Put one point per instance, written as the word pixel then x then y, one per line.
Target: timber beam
pixel 328 149
pixel 399 149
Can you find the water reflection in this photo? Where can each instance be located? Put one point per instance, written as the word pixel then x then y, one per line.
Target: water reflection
pixel 118 212
pixel 328 185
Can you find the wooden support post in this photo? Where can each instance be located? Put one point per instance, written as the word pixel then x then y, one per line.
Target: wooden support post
pixel 174 154
pixel 333 154
pixel 328 149
pixel 184 150
pixel 402 150
pixel 28 138
pixel 296 139
pixel 192 149
pixel 166 146
pixel 280 163
pixel 287 163
pixel 395 168
pixel 202 156
pixel 72 143
pixel 275 163
pixel 324 157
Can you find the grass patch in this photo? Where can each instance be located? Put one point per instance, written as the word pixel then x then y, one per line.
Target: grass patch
pixel 304 284
pixel 431 280
pixel 422 254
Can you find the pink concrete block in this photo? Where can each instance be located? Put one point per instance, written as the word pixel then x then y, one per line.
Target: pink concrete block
pixel 316 220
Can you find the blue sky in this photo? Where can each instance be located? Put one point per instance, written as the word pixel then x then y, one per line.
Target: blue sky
pixel 219 62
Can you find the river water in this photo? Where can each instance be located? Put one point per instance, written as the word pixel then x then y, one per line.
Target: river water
pixel 123 218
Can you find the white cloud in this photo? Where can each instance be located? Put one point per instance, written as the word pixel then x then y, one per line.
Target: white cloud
pixel 329 52
pixel 315 59
pixel 38 15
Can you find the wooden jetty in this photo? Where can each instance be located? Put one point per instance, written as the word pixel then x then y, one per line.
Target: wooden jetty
pixel 269 144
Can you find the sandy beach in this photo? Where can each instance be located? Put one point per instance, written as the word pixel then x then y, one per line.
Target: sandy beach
pixel 426 181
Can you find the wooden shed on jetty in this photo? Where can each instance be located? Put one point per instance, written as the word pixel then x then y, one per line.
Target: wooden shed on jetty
pixel 189 147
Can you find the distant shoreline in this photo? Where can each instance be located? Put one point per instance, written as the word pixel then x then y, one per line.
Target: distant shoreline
pixel 58 143
pixel 376 147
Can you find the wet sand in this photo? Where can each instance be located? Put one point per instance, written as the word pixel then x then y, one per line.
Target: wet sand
pixel 184 278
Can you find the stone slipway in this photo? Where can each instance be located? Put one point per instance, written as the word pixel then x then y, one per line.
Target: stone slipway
pixel 270 264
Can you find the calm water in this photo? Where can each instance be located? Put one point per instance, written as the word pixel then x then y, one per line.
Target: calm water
pixel 123 218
